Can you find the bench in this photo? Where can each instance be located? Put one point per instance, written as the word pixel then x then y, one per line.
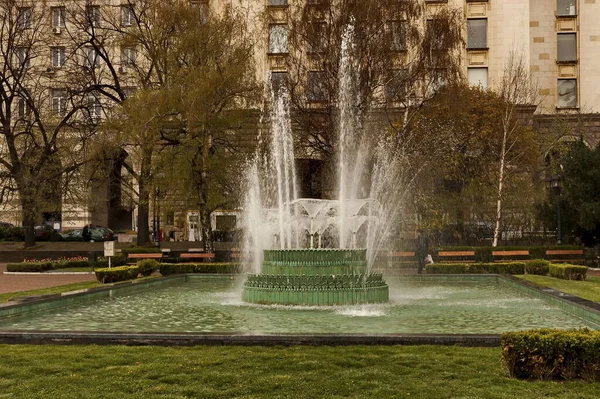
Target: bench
pixel 565 255
pixel 197 255
pixel 403 258
pixel 451 256
pixel 503 256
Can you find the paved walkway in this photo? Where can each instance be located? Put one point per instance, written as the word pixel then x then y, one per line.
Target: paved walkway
pixel 14 283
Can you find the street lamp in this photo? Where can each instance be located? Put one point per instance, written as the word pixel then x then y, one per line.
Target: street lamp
pixel 555 186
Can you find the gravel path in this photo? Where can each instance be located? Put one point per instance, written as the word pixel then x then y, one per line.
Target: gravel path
pixel 14 283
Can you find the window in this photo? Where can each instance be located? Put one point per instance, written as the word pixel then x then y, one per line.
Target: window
pixel 567 93
pixel 128 56
pixel 397 31
pixel 478 77
pixel 93 15
pixel 58 17
pixel 24 16
pixel 59 102
pixel 278 39
pixel 277 3
pixel 567 47
pixel 58 57
pixel 23 109
pixel 94 106
pixel 127 15
pixel 316 90
pixel 22 57
pixel 397 85
pixel 317 37
pixel 279 81
pixel 92 60
pixel 566 7
pixel 476 33
pixel 128 91
pixel 436 33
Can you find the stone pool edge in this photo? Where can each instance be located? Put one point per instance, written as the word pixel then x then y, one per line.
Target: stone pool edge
pixel 585 307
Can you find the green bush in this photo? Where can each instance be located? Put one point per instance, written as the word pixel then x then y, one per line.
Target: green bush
pixel 70 264
pixel 476 268
pixel 212 268
pixel 552 354
pixel 567 272
pixel 30 267
pixel 147 266
pixel 540 267
pixel 115 261
pixel 12 234
pixel 116 274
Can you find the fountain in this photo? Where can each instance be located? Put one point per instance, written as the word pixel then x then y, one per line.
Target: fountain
pixel 311 251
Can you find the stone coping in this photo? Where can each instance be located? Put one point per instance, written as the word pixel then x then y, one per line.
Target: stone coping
pixel 221 339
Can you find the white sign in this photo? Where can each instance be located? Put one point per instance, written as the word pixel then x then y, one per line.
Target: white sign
pixel 109 248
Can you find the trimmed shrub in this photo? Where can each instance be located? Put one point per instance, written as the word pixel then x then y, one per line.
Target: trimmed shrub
pixel 476 268
pixel 30 267
pixel 568 272
pixel 167 269
pixel 147 266
pixel 12 234
pixel 552 354
pixel 540 267
pixel 116 274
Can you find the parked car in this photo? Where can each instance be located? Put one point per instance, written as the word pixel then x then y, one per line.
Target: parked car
pixel 73 235
pixel 45 232
pixel 5 225
pixel 97 233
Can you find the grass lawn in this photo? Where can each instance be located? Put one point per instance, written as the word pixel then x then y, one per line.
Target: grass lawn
pixel 51 290
pixel 588 289
pixel 258 372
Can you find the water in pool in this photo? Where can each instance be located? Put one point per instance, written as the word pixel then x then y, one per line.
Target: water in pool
pixel 214 305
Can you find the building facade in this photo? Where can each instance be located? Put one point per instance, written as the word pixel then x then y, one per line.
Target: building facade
pixel 559 40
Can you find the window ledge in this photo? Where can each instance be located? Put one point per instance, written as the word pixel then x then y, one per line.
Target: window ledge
pixel 277 54
pixel 570 62
pixel 477 48
pixel 575 108
pixel 566 16
pixel 277 6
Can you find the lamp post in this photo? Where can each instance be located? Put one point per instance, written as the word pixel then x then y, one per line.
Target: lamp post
pixel 555 186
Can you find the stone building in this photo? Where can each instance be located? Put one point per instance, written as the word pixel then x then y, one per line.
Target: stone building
pixel 558 39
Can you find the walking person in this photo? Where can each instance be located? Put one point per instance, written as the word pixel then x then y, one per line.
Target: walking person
pixel 422 250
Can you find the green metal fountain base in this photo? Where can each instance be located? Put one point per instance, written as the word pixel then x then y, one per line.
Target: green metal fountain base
pixel 315 277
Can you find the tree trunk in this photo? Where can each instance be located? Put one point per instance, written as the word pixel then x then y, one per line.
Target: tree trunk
pixel 500 188
pixel 143 233
pixel 29 213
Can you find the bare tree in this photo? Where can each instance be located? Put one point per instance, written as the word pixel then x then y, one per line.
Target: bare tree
pixel 44 130
pixel 517 89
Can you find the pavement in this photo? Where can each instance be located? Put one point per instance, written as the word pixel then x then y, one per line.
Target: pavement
pixel 15 283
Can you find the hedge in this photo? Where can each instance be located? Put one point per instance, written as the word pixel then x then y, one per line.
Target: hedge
pixel 476 268
pixel 214 268
pixel 537 266
pixel 140 250
pixel 552 354
pixel 568 272
pixel 30 267
pixel 116 274
pixel 115 261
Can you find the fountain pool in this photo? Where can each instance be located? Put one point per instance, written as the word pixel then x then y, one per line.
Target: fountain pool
pixel 210 304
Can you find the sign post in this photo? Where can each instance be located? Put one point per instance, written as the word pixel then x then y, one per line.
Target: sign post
pixel 109 250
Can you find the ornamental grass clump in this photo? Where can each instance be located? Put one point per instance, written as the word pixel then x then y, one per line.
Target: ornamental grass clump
pixel 549 354
pixel 116 274
pixel 147 266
